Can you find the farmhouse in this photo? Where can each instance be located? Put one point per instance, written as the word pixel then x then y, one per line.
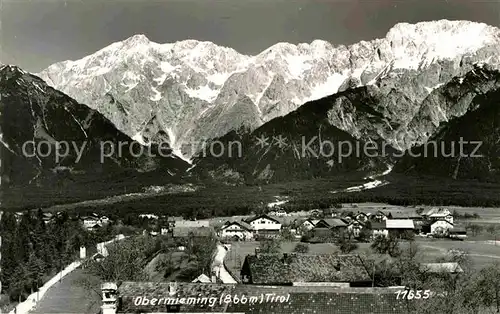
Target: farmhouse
pixel 236 229
pixel 441 227
pixel 379 229
pixel 362 216
pixel 308 224
pixel 264 225
pixel 438 214
pixel 354 227
pixel 298 269
pixel 330 223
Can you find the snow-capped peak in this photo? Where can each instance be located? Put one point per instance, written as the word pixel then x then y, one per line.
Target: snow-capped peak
pixel 198 85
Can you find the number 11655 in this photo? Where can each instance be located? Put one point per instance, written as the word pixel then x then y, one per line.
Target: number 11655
pixel 412 294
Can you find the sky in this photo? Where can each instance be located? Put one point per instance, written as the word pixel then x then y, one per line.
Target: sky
pixel 37 33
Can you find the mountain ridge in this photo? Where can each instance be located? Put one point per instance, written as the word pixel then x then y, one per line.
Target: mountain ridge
pixel 52 146
pixel 190 91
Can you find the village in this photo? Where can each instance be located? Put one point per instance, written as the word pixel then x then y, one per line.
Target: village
pixel 309 259
pixel 348 256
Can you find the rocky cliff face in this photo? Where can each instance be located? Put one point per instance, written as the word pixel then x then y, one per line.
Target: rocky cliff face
pixel 189 91
pixel 314 146
pixel 50 143
pixel 466 147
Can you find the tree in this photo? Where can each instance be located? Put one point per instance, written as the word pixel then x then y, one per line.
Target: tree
pixel 475 229
pixel 270 246
pixel 488 286
pixel 364 234
pixel 301 248
pixel 126 261
pixel 286 234
pixel 386 245
pixel 201 250
pixel 346 243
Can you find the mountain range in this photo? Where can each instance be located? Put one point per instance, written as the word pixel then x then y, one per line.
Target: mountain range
pixel 190 91
pixel 428 82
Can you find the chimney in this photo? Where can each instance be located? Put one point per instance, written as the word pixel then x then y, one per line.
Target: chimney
pixel 109 292
pixel 214 277
pixel 172 288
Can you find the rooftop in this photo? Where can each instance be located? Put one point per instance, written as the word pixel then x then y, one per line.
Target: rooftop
pixel 399 224
pixel 301 299
pixel 332 222
pixel 294 267
pixel 184 232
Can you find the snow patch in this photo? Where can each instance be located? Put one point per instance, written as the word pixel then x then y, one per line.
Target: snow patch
pixel 297 65
pixel 157 96
pixel 203 92
pixel 431 89
pixel 329 87
pixel 219 78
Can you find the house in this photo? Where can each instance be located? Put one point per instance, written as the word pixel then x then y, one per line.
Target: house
pixel 89 222
pixel 380 215
pixel 264 225
pixel 379 229
pixel 316 213
pixel 438 214
pixel 330 223
pixel 308 224
pixel 365 215
pixel 278 213
pixel 441 226
pixel 196 232
pixel 148 216
pixel 354 227
pixel 398 227
pixel 328 227
pixel 104 220
pixel 94 222
pixel 236 229
pixel 300 269
pixel 171 221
